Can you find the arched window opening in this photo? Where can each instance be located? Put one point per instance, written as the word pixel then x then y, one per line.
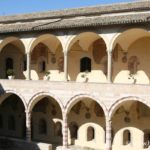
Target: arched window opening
pixel 42 66
pixel 90 134
pixel 1 121
pixel 126 137
pixel 146 138
pixel 42 126
pixel 9 64
pixel 104 64
pixel 73 130
pixel 58 129
pixel 11 123
pixel 85 64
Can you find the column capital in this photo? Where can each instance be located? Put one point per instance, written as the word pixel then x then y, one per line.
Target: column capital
pixel 65 115
pixel 28 53
pixel 65 53
pixel 108 120
pixel 109 52
pixel 27 111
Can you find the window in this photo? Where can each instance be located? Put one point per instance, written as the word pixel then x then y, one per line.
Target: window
pixel 11 123
pixel 42 126
pixel 58 129
pixel 90 134
pixel 73 130
pixel 9 64
pixel 85 64
pixel 126 137
pixel 42 66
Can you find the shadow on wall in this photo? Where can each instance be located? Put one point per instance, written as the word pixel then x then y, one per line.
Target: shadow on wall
pixel 2 91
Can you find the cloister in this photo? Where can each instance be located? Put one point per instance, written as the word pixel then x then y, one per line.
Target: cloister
pixel 81 78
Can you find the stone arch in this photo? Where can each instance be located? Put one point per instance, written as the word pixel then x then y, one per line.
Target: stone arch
pixel 81 110
pixel 124 46
pixel 45 105
pixel 50 47
pixel 41 37
pixel 3 97
pixel 14 48
pixel 78 97
pixel 13 110
pixel 73 36
pixel 33 100
pixel 87 44
pixel 12 39
pixel 124 99
pixel 119 32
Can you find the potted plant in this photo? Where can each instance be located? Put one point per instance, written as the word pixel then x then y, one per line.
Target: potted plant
pixel 10 73
pixel 85 76
pixel 47 75
pixel 132 77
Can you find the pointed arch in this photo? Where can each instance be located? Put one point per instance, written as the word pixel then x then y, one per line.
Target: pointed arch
pixel 72 101
pixel 9 92
pixel 125 99
pixel 33 100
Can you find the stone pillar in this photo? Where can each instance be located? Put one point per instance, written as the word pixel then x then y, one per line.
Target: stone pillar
pixel 65 131
pixel 109 66
pixel 108 134
pixel 28 67
pixel 28 126
pixel 66 66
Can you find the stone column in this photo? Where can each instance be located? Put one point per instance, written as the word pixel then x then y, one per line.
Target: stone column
pixel 109 66
pixel 28 126
pixel 108 134
pixel 65 131
pixel 28 67
pixel 66 66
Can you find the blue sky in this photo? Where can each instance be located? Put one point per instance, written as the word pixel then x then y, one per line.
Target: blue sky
pixel 8 7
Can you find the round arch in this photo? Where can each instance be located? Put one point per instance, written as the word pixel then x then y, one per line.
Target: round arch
pixel 123 30
pixel 17 94
pixel 33 101
pixel 87 44
pixel 12 39
pixel 122 100
pixel 43 38
pixel 72 38
pixel 78 97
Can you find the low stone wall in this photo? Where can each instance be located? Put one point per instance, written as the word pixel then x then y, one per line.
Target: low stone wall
pixel 17 144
